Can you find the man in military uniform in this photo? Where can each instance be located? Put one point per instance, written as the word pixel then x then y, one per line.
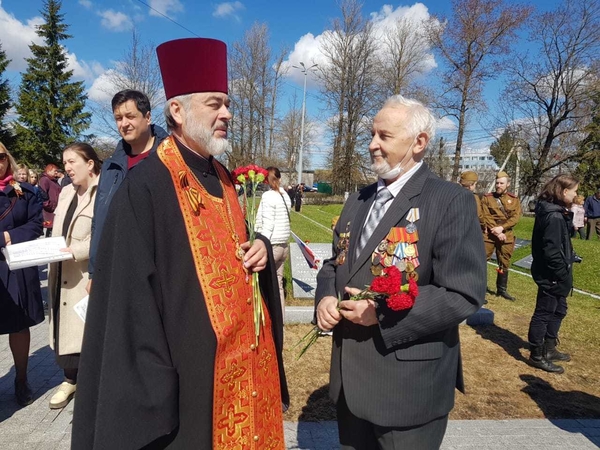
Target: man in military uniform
pixel 501 211
pixel 468 180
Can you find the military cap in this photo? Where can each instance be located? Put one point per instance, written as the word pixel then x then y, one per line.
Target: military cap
pixel 502 174
pixel 469 175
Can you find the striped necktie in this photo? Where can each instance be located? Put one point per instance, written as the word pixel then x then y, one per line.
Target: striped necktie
pixel 377 213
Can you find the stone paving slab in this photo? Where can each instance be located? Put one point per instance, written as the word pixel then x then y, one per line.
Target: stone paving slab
pixel 36 427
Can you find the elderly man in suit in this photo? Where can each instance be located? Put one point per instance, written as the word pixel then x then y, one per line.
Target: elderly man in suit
pixel 393 373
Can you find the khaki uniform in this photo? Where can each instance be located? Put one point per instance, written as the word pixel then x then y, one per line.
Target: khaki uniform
pixel 504 210
pixel 479 210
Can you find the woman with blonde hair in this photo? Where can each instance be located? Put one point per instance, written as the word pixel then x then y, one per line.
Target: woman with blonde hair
pixel 579 216
pixel 67 280
pixel 22 174
pixel 273 222
pixel 20 294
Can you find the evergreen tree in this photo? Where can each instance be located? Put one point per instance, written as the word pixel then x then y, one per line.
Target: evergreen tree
pixel 5 133
pixel 588 170
pixel 50 105
pixel 500 149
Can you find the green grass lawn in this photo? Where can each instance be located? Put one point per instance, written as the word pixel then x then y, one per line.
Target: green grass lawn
pixel 313 224
pixel 585 275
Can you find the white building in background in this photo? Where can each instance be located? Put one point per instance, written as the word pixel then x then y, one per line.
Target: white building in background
pixel 477 160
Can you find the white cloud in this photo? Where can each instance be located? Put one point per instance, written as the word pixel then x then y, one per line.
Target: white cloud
pixel 308 51
pixel 115 21
pixel 165 7
pixel 16 38
pixel 446 124
pixel 228 9
pixel 86 4
pixel 308 48
pixel 102 89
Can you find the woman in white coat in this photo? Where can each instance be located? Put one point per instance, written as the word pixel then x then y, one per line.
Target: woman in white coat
pixel 273 222
pixel 67 280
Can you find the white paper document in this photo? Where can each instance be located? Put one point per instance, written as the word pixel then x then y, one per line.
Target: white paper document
pixel 81 307
pixel 36 253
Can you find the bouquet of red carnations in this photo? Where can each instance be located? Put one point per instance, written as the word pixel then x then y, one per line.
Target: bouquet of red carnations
pixel 387 288
pixel 249 177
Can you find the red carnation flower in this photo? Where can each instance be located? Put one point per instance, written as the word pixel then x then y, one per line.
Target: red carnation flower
pixel 400 302
pixel 413 289
pixel 388 283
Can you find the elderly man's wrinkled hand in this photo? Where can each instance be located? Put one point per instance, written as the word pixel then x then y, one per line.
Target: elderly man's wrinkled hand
pixel 328 315
pixel 255 258
pixel 360 312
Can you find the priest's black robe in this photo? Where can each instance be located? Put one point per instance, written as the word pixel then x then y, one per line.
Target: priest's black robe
pixel 147 361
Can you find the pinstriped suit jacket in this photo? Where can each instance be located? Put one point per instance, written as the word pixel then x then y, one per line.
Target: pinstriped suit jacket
pixel 403 371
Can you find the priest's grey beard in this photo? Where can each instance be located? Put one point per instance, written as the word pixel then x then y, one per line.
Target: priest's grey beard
pixel 204 136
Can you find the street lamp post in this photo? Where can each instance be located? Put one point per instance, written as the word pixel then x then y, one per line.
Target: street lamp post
pixel 305 72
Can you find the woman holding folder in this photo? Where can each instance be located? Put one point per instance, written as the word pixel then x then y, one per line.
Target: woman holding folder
pixel 20 295
pixel 67 279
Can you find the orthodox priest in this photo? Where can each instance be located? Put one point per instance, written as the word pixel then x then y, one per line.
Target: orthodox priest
pixel 170 358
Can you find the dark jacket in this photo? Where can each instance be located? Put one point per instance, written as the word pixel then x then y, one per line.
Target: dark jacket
pixel 20 294
pixel 592 207
pixel 403 371
pixel 114 170
pixel 551 249
pixel 52 189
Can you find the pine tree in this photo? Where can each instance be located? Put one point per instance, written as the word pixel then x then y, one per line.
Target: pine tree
pixel 51 106
pixel 588 170
pixel 6 136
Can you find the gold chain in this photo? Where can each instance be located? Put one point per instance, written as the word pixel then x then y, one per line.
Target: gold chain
pixel 239 253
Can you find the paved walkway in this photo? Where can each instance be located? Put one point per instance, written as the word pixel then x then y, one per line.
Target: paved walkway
pixel 37 427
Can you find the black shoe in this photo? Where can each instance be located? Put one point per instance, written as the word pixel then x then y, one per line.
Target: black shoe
pixel 502 293
pixel 552 354
pixel 537 360
pixel 546 365
pixel 23 393
pixel 501 286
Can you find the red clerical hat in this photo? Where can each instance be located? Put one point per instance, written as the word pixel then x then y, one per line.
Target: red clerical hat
pixel 193 65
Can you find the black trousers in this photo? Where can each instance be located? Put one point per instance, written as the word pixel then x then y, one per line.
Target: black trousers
pixel 358 434
pixel 549 313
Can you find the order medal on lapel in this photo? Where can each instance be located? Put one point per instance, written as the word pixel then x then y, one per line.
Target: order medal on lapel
pixel 377 270
pixel 342 246
pixel 401 265
pixel 412 216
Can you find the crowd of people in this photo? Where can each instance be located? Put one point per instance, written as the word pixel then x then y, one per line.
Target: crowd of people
pixel 171 353
pixel 560 214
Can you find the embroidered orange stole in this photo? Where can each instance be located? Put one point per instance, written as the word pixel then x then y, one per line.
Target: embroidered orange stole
pixel 247 409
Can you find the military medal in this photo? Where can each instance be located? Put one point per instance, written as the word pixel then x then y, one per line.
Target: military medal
pixel 342 246
pixel 401 265
pixel 377 270
pixel 412 216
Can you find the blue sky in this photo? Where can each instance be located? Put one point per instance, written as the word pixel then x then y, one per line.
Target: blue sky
pixel 101 33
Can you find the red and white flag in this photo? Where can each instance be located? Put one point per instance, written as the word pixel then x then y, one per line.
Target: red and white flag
pixel 309 255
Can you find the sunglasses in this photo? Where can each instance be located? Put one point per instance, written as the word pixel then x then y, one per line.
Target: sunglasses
pixel 3 156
